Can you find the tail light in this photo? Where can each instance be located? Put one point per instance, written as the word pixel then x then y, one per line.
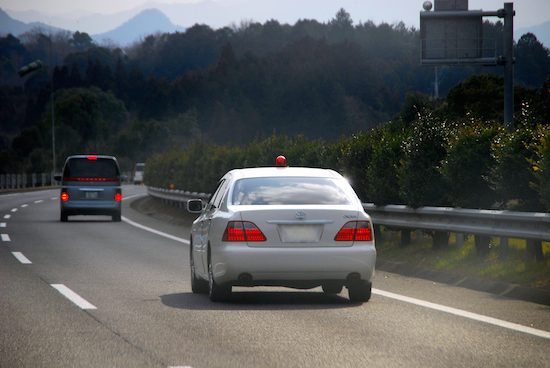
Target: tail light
pixel 64 196
pixel 118 197
pixel 355 231
pixel 243 231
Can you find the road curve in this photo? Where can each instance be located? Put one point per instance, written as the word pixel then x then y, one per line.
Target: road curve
pixel 94 293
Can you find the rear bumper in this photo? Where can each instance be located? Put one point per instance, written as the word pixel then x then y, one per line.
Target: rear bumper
pixel 91 207
pixel 289 266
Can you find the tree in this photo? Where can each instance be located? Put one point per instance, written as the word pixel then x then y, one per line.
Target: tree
pixel 468 165
pixel 479 97
pixel 543 169
pixel 514 176
pixel 421 180
pixel 81 41
pixel 533 61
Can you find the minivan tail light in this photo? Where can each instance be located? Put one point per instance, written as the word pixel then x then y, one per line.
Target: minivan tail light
pixel 92 158
pixel 242 231
pixel 355 231
pixel 118 197
pixel 64 196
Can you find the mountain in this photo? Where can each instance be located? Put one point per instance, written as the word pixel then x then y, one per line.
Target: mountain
pixel 147 22
pixel 542 31
pixel 89 22
pixel 16 27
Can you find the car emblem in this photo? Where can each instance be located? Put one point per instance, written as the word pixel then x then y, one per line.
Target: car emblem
pixel 300 215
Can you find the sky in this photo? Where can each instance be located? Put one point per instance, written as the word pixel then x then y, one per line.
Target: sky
pixel 225 12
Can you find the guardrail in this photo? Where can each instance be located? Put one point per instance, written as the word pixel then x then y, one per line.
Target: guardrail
pixel 531 226
pixel 21 181
pixel 176 197
pixel 24 181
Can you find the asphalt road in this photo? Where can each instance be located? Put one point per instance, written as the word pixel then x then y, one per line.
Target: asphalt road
pixel 137 309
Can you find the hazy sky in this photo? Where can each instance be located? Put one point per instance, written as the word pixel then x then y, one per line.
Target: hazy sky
pixel 528 12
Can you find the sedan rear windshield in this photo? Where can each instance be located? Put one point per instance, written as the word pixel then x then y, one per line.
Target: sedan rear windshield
pixel 103 168
pixel 289 191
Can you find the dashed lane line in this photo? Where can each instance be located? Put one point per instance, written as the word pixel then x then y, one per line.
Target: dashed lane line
pixel 14 210
pixel 7 217
pixel 39 201
pixel 5 237
pixel 73 297
pixel 21 258
pixel 2 224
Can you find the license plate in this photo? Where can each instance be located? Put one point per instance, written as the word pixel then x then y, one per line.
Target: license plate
pixel 300 233
pixel 91 195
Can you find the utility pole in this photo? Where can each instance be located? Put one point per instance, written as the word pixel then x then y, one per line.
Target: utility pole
pixel 509 65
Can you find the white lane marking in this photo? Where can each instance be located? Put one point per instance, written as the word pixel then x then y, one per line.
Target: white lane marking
pixel 2 224
pixel 130 222
pixel 7 216
pixel 14 210
pixel 5 237
pixel 73 297
pixel 39 201
pixel 465 314
pixel 133 196
pixel 53 198
pixel 24 205
pixel 180 366
pixel 21 258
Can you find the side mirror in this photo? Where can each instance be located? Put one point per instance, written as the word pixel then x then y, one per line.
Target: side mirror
pixel 57 177
pixel 194 205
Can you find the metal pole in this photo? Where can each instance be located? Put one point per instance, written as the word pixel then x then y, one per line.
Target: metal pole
pixel 53 104
pixel 436 83
pixel 509 65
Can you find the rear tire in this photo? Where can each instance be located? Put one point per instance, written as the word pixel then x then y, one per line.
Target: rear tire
pixel 117 217
pixel 63 217
pixel 217 293
pixel 198 285
pixel 360 292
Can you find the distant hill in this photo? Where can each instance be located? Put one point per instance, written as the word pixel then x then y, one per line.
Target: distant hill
pixel 147 22
pixel 542 31
pixel 16 27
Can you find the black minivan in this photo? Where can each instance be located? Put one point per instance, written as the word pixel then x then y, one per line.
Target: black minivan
pixel 90 185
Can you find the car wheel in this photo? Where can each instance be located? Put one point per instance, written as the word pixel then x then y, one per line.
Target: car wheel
pixel 63 217
pixel 116 217
pixel 360 292
pixel 198 286
pixel 217 293
pixel 332 288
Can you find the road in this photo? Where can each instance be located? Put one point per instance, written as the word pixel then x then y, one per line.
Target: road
pixel 136 308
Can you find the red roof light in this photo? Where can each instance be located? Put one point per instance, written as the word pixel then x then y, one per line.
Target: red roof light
pixel 281 161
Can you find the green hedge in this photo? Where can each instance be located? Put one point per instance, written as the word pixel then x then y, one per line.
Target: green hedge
pixel 470 164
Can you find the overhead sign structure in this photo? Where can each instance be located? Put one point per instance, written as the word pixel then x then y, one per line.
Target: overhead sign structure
pixel 451 39
pixel 452 34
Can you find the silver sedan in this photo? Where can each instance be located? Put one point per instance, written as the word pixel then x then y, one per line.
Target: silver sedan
pixel 282 226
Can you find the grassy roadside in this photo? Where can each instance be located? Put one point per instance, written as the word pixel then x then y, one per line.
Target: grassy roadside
pixel 499 264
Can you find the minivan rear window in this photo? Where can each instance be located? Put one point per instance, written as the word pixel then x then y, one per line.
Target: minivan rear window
pixel 84 169
pixel 289 191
